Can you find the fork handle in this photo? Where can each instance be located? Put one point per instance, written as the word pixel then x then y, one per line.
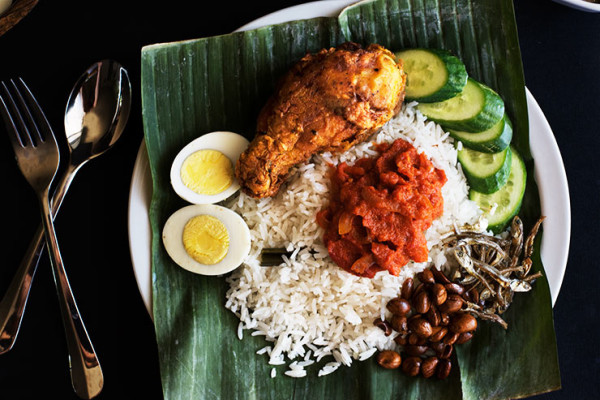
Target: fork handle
pixel 12 306
pixel 86 374
pixel 13 303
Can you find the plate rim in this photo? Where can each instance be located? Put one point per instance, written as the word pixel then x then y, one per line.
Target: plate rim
pixel 580 5
pixel 549 196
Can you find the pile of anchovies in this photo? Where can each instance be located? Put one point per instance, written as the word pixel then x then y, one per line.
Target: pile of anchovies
pixel 491 268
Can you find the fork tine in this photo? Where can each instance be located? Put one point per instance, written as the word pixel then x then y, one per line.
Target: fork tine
pixel 38 119
pixel 9 116
pixel 23 115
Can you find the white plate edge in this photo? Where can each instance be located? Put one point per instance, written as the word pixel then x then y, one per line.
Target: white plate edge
pixel 554 248
pixel 580 5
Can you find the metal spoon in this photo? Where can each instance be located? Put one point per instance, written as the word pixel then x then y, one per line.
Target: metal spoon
pixel 95 116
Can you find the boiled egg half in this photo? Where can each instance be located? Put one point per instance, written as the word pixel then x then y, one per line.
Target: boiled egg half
pixel 206 239
pixel 203 171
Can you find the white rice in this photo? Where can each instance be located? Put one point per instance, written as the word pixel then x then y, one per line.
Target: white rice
pixel 309 308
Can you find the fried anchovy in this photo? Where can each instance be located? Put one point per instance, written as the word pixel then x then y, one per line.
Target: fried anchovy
pixel 516 246
pixel 516 285
pixel 486 294
pixel 528 251
pixel 497 259
pixel 518 269
pixel 508 298
pixel 484 240
pixel 502 304
pixel 480 238
pixel 467 263
pixel 533 277
pixel 484 253
pixel 527 263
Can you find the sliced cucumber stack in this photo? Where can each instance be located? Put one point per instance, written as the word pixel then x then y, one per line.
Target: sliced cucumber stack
pixel 502 205
pixel 485 172
pixel 492 140
pixel 477 108
pixel 432 75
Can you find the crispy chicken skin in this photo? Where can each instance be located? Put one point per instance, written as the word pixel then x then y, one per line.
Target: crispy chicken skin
pixel 328 101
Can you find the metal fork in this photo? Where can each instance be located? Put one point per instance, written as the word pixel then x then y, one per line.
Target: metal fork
pixel 37 155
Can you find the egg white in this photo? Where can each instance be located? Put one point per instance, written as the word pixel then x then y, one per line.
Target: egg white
pixel 239 238
pixel 231 144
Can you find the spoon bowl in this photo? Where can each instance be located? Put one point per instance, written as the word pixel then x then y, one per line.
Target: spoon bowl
pixel 94 119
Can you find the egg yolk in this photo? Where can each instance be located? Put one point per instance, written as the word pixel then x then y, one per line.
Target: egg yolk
pixel 206 239
pixel 207 172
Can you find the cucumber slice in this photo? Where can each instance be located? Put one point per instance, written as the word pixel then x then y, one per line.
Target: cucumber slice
pixel 432 75
pixel 501 206
pixel 485 172
pixel 477 108
pixel 493 140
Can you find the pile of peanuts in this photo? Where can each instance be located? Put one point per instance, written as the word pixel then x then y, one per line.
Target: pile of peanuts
pixel 429 321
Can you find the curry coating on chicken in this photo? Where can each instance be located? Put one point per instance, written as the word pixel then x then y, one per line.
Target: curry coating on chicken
pixel 328 101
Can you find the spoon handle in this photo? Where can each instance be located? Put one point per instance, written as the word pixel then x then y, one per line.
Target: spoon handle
pixel 86 374
pixel 12 306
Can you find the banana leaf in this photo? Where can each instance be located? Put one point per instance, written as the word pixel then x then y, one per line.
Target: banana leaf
pixel 219 83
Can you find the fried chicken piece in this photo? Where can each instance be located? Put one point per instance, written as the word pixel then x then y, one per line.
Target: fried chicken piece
pixel 328 101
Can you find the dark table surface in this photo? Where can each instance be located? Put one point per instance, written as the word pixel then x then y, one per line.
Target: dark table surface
pixel 53 45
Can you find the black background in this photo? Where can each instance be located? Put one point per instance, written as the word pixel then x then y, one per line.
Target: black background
pixel 53 45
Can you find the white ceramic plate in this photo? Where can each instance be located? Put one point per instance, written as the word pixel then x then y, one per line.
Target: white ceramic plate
pixel 581 5
pixel 550 176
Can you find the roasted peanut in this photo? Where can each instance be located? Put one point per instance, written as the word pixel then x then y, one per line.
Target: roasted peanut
pixel 413 338
pixel 438 347
pixel 433 316
pixel 415 350
pixel 398 306
pixel 439 276
pixel 426 276
pixel 463 322
pixel 407 289
pixel 454 288
pixel 443 369
pixel 450 338
pixel 421 327
pixel 452 304
pixel 445 317
pixel 384 326
pixel 411 366
pixel 464 337
pixel 421 302
pixel 428 366
pixel 438 294
pixel 471 295
pixel 389 359
pixel 399 323
pixel 400 340
pixel 438 334
pixel 446 352
pixel 418 289
pixel 475 295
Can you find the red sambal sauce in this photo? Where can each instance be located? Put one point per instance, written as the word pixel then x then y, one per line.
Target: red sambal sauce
pixel 380 209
